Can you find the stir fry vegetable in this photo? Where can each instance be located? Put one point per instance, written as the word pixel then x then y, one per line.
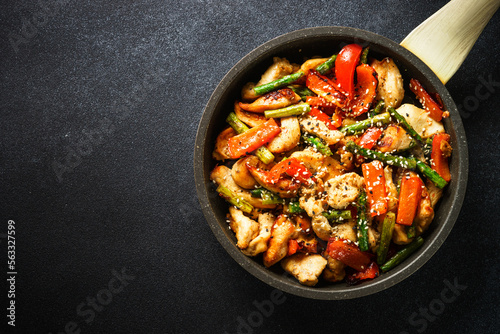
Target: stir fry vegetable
pixel 326 172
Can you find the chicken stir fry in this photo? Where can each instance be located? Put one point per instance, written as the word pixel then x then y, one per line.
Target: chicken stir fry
pixel 327 171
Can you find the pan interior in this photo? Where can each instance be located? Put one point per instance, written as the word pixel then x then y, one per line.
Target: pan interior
pixel 296 47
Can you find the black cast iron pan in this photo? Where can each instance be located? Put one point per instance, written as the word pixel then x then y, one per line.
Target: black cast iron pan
pixel 295 46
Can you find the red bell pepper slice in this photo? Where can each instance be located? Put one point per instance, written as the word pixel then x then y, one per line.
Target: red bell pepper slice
pixel 372 271
pixel 365 91
pixel 345 64
pixel 326 89
pixel 439 158
pixel 367 140
pixel 431 106
pixel 348 253
pixel 321 116
pixel 373 173
pixel 409 197
pixel 291 167
pixel 318 101
pixel 370 137
pixel 252 139
pixel 322 104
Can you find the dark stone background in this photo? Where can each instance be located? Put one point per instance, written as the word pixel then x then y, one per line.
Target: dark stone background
pixel 100 102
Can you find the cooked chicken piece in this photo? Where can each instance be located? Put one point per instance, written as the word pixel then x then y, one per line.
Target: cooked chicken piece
pixel 288 138
pixel 345 231
pixel 221 150
pixel 446 148
pixel 241 175
pixel 311 64
pixel 318 128
pixel 373 238
pixel 280 68
pixel 420 120
pixel 343 190
pixel 334 271
pixel 394 138
pixel 273 100
pixel 305 268
pixel 313 205
pixel 321 227
pixel 321 166
pixel 259 243
pixel 399 236
pixel 434 192
pixel 222 176
pixel 392 192
pixel 277 70
pixel 282 230
pixel 425 213
pixel 245 228
pixel 251 119
pixel 390 83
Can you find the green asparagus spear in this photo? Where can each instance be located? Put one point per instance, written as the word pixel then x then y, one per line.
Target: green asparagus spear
pixel 362 222
pixel 234 199
pixel 378 108
pixel 337 215
pixel 302 91
pixel 402 254
pixel 291 78
pixel 318 144
pixel 295 109
pixel 262 152
pixel 386 237
pixel 427 148
pixel 431 174
pixel 294 207
pixel 360 126
pixel 286 80
pixel 404 124
pixel 410 231
pixel 327 65
pixel 236 123
pixel 364 55
pixel 393 160
pixel 267 196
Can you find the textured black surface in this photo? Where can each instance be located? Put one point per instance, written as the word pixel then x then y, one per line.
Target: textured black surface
pixel 99 108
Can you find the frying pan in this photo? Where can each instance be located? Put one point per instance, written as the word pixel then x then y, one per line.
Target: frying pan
pixel 297 45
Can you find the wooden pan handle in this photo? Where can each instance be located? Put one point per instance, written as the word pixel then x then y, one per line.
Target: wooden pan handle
pixel 444 40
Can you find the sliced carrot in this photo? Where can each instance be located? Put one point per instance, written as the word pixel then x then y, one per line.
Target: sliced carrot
pixel 409 197
pixel 336 120
pixel 431 106
pixel 373 173
pixel 252 139
pixel 293 247
pixel 439 157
